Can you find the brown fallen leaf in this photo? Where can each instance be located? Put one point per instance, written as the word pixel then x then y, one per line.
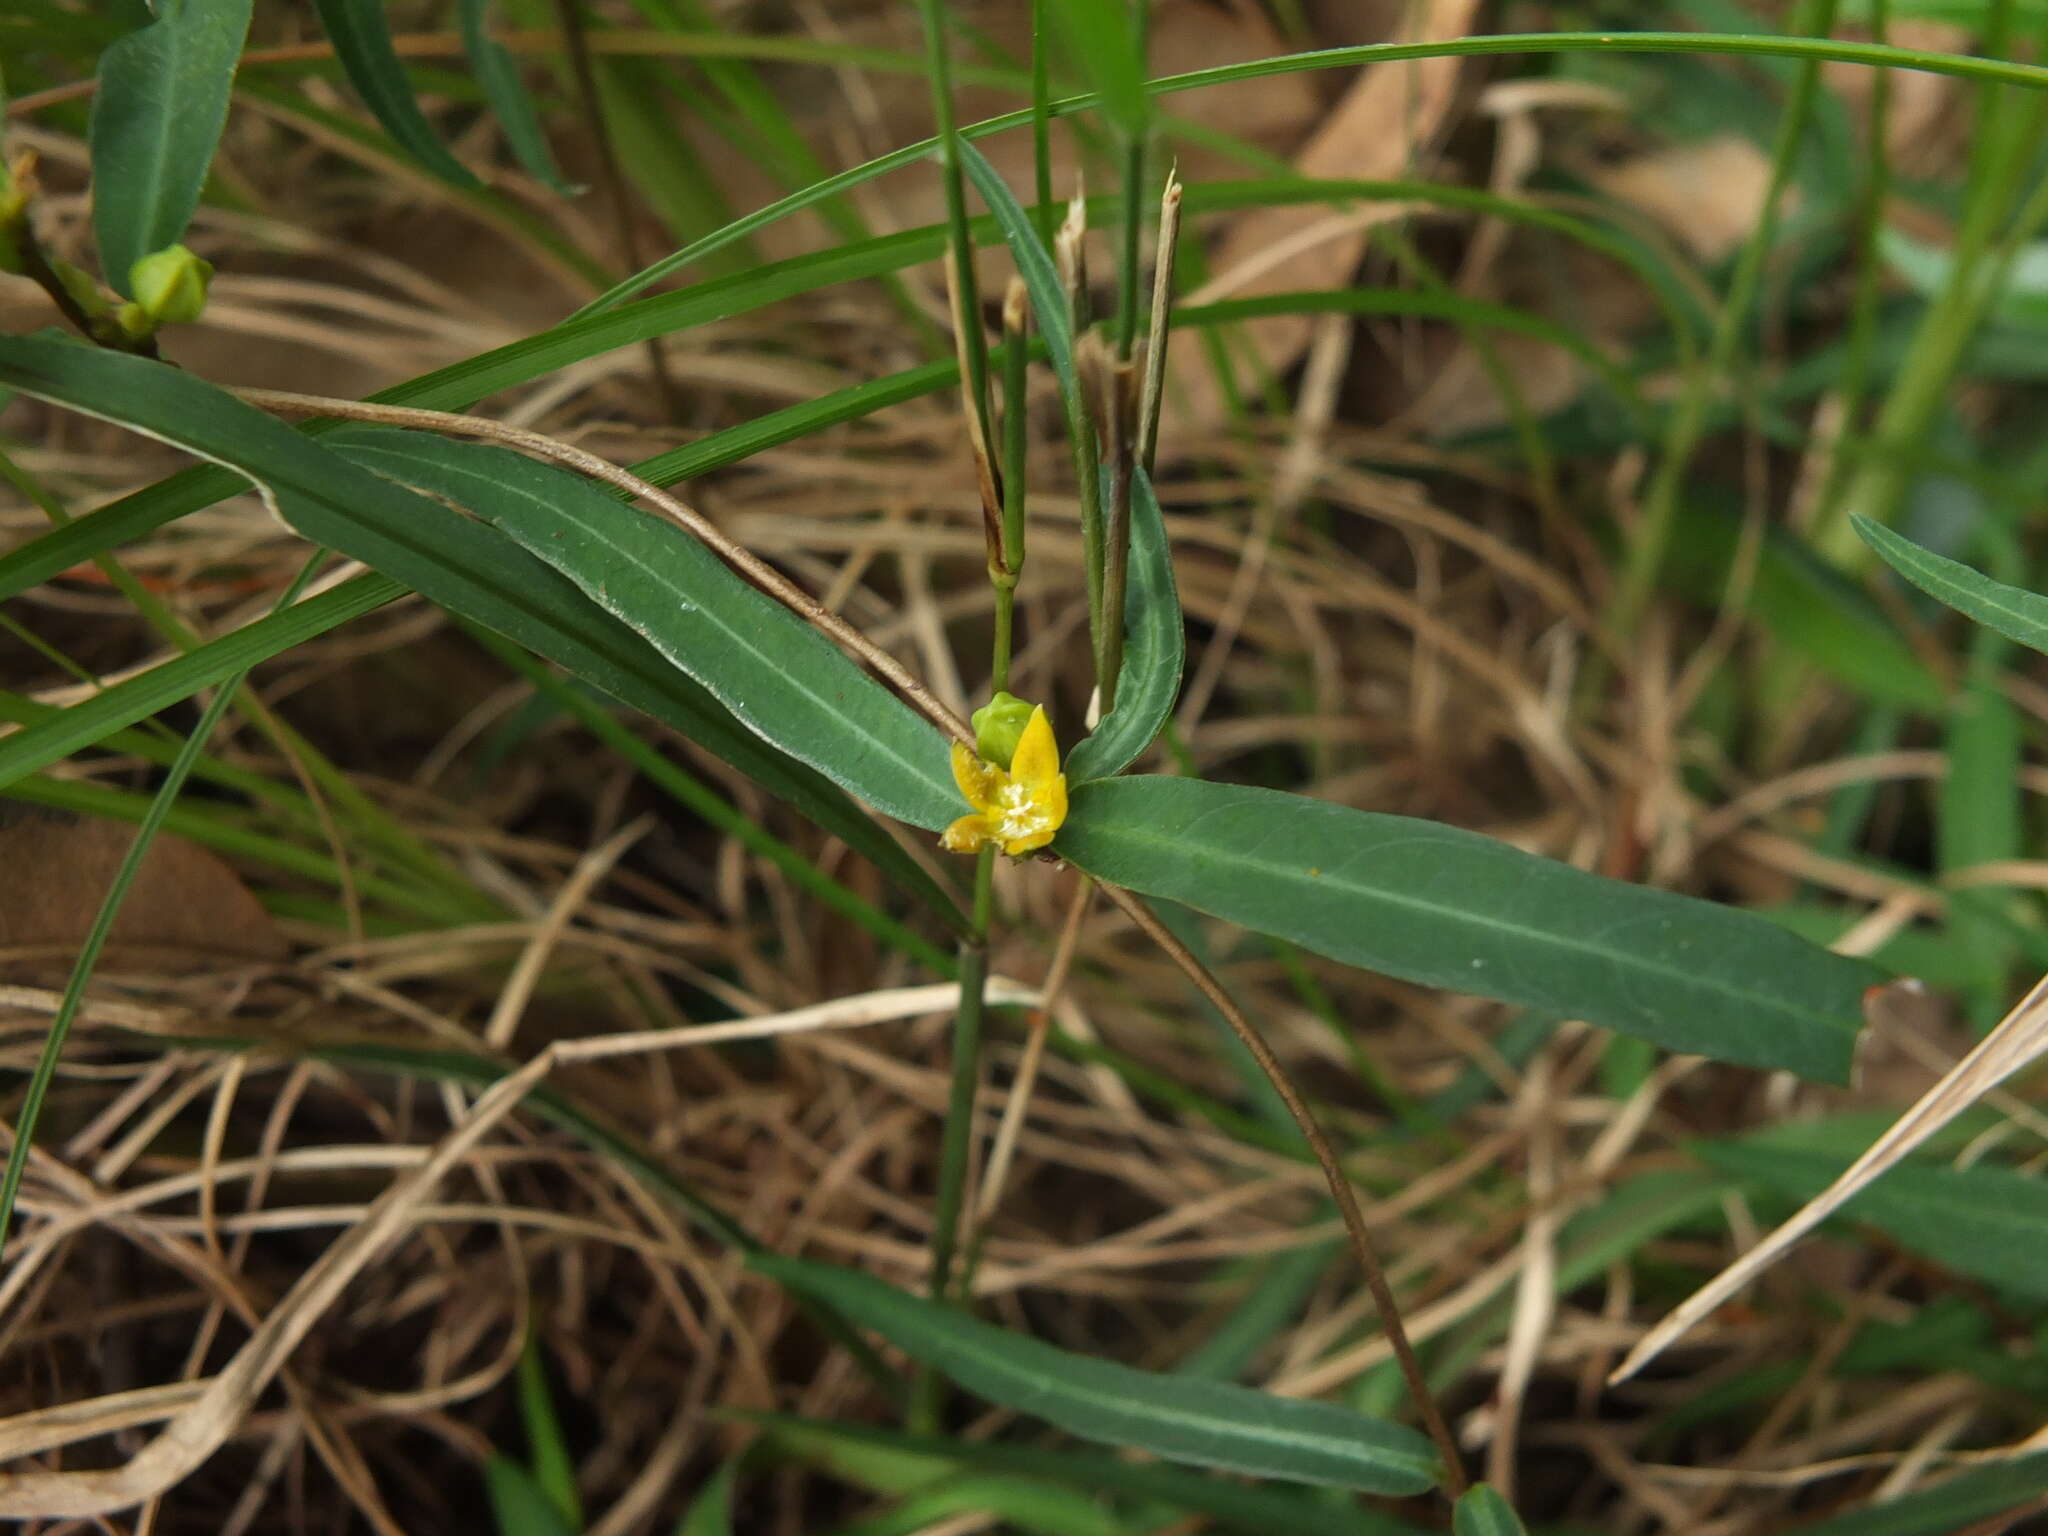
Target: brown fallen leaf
pixel 186 909
pixel 1380 130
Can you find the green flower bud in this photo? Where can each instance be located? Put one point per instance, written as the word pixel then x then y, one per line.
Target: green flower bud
pixel 997 726
pixel 170 285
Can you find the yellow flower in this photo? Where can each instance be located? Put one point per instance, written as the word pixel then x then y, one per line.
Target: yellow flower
pixel 1019 808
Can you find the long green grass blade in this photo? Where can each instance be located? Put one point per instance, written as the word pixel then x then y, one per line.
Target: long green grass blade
pixel 1449 908
pixel 497 73
pixel 1208 1423
pixel 1987 1222
pixel 361 35
pixel 92 720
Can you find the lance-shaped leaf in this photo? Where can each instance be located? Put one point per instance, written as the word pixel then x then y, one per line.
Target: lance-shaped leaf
pixel 156 121
pixel 2013 611
pixel 361 35
pixel 1208 1423
pixel 446 557
pixel 1449 908
pixel 778 676
pixel 1154 649
pixel 497 72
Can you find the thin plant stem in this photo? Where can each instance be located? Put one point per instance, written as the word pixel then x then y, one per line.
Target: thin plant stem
pixel 1005 571
pixel 2005 149
pixel 576 44
pixel 1150 398
pixel 1860 345
pixel 968 335
pixel 1333 1174
pixel 669 508
pixel 957 1138
pixel 1041 126
pixel 1688 421
pixel 110 908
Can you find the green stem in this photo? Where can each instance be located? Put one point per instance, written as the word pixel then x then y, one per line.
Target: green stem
pixel 1860 346
pixel 1647 548
pixel 1041 126
pixel 2009 139
pixel 972 343
pixel 959 1128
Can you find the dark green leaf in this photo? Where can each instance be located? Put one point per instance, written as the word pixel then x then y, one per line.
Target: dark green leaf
pixel 497 72
pixel 2013 611
pixel 779 676
pixel 518 1503
pixel 441 554
pixel 156 121
pixel 889 1461
pixel 1154 649
pixel 1483 1512
pixel 1983 1221
pixel 362 41
pixel 1208 1423
pixel 1450 908
pixel 1956 1504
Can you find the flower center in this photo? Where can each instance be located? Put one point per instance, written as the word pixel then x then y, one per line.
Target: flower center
pixel 1019 815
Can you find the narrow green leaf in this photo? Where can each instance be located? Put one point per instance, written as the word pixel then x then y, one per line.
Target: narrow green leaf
pixel 1102 40
pixel 91 720
pixel 1154 649
pixel 519 1503
pixel 497 72
pixel 156 121
pixel 362 41
pixel 710 1513
pixel 779 676
pixel 554 1473
pixel 889 1461
pixel 1960 1503
pixel 1483 1512
pixel 446 557
pixel 1449 908
pixel 2013 611
pixel 1208 1423
pixel 1983 1221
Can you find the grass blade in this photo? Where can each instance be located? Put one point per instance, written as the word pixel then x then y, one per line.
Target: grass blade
pixel 362 41
pixel 497 73
pixel 92 720
pixel 1208 1423
pixel 1449 908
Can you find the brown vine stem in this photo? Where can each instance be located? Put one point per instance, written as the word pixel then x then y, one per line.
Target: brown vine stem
pixel 670 508
pixel 1326 1159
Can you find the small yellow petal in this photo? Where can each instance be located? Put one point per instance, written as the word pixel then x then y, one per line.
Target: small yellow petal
pixel 1052 799
pixel 970 834
pixel 978 781
pixel 1037 758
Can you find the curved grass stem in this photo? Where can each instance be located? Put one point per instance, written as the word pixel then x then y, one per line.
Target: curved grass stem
pixel 1326 1159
